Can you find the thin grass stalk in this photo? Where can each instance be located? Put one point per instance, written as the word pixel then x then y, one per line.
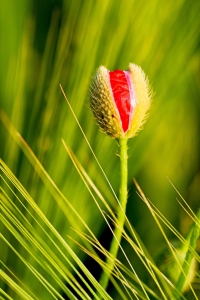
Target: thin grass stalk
pixel 195 232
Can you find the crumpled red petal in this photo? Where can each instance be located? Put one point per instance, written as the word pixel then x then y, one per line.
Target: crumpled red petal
pixel 121 95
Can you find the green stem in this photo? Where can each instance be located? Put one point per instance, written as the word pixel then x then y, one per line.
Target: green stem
pixel 194 236
pixel 120 213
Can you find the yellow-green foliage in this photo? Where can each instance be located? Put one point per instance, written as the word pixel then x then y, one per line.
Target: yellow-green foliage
pixel 47 43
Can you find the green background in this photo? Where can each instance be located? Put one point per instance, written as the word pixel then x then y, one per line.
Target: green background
pixel 47 43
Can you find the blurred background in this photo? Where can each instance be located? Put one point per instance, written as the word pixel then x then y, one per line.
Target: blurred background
pixel 47 43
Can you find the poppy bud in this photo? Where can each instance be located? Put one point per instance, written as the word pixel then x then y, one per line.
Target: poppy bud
pixel 120 100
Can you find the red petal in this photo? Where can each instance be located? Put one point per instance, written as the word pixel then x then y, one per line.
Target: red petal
pixel 121 94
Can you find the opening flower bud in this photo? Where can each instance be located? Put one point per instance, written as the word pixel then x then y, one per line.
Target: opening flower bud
pixel 120 100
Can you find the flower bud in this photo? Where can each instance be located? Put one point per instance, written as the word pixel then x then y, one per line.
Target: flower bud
pixel 120 100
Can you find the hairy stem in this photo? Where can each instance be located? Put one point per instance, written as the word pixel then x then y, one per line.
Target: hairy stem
pixel 121 213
